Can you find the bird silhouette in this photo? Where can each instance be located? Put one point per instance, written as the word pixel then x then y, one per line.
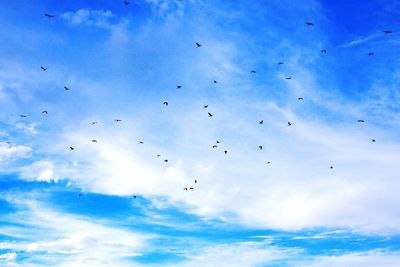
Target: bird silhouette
pixel 23 116
pixel 360 121
pixel 126 2
pixel 268 162
pixel 280 63
pixel 117 120
pixel 210 115
pixel 260 147
pixel 373 140
pixel 288 78
pixel 71 148
pixel 195 181
pixel 323 51
pixel 43 68
pixel 289 123
pixel 178 86
pixel 66 88
pixel 387 31
pixel 94 122
pixel 261 122
pixel 331 167
pixel 214 146
pixel 253 71
pixel 217 142
pixel 185 189
pixel 49 16
pixel 158 155
pixel 226 151
pixel 134 196
pixel 370 53
pixel 309 24
pixel 198 45
pixel 300 98
pixel 141 142
pixel 94 141
pixel 80 194
pixel 205 106
pixel 45 112
pixel 215 81
pixel 165 160
pixel 191 188
pixel 165 103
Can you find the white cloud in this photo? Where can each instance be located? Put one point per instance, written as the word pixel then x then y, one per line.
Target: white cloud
pixel 89 17
pixel 9 152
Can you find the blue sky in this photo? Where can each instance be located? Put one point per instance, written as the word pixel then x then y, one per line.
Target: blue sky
pixel 62 207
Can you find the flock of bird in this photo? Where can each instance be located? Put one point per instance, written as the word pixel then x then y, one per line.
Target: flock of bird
pixel 210 115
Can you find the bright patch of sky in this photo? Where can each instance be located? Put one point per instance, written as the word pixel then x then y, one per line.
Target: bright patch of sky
pixel 270 142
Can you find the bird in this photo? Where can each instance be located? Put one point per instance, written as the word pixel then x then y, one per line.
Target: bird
pixel 387 31
pixel 289 123
pixel 94 122
pixel 280 63
pixel 205 106
pixel 195 181
pixel 45 112
pixel 261 122
pixel 140 142
pixel 165 160
pixel 80 194
pixel 323 51
pixel 331 167
pixel 225 151
pixel 214 146
pixel 94 141
pixel 43 68
pixel 215 81
pixel 66 88
pixel 178 86
pixel 300 98
pixel 49 16
pixel 165 103
pixel 268 162
pixel 253 71
pixel 185 189
pixel 134 196
pixel 71 148
pixel 370 53
pixel 288 78
pixel 217 142
pixel 158 155
pixel 373 140
pixel 126 2
pixel 260 147
pixel 191 188
pixel 117 120
pixel 360 121
pixel 23 116
pixel 309 24
pixel 198 45
pixel 210 115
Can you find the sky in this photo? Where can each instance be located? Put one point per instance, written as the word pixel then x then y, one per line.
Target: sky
pixel 94 164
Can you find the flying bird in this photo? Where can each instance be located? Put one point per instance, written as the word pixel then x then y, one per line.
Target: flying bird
pixel 158 155
pixel 261 122
pixel 178 86
pixel 134 196
pixel 331 167
pixel 280 63
pixel 217 142
pixel 191 188
pixel 22 116
pixel 94 141
pixel 49 16
pixel 370 53
pixel 300 98
pixel 288 78
pixel 268 162
pixel 373 140
pixel 165 103
pixel 126 2
pixel 289 123
pixel 140 142
pixel 323 51
pixel 195 181
pixel 309 24
pixel 66 88
pixel 205 106
pixel 387 31
pixel 215 81
pixel 260 147
pixel 94 122
pixel 71 148
pixel 45 112
pixel 43 68
pixel 117 120
pixel 226 152
pixel 214 146
pixel 360 121
pixel 253 71
pixel 165 160
pixel 185 189
pixel 198 45
pixel 210 115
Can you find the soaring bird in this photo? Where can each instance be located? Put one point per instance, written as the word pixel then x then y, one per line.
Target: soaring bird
pixel 198 45
pixel 126 2
pixel 165 160
pixel 117 120
pixel 45 112
pixel 71 148
pixel 370 53
pixel 288 78
pixel 210 115
pixel 195 181
pixel 217 142
pixel 94 122
pixel 309 24
pixel 140 142
pixel 185 189
pixel 373 140
pixel 323 51
pixel 205 106
pixel 165 103
pixel 178 86
pixel 387 31
pixel 158 155
pixel 280 63
pixel 360 121
pixel 43 68
pixel 191 188
pixel 331 167
pixel 214 146
pixel 66 88
pixel 253 71
pixel 226 152
pixel 215 81
pixel 261 122
pixel 289 123
pixel 260 147
pixel 22 116
pixel 49 16
pixel 80 194
pixel 134 196
pixel 268 162
pixel 94 141
pixel 300 98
